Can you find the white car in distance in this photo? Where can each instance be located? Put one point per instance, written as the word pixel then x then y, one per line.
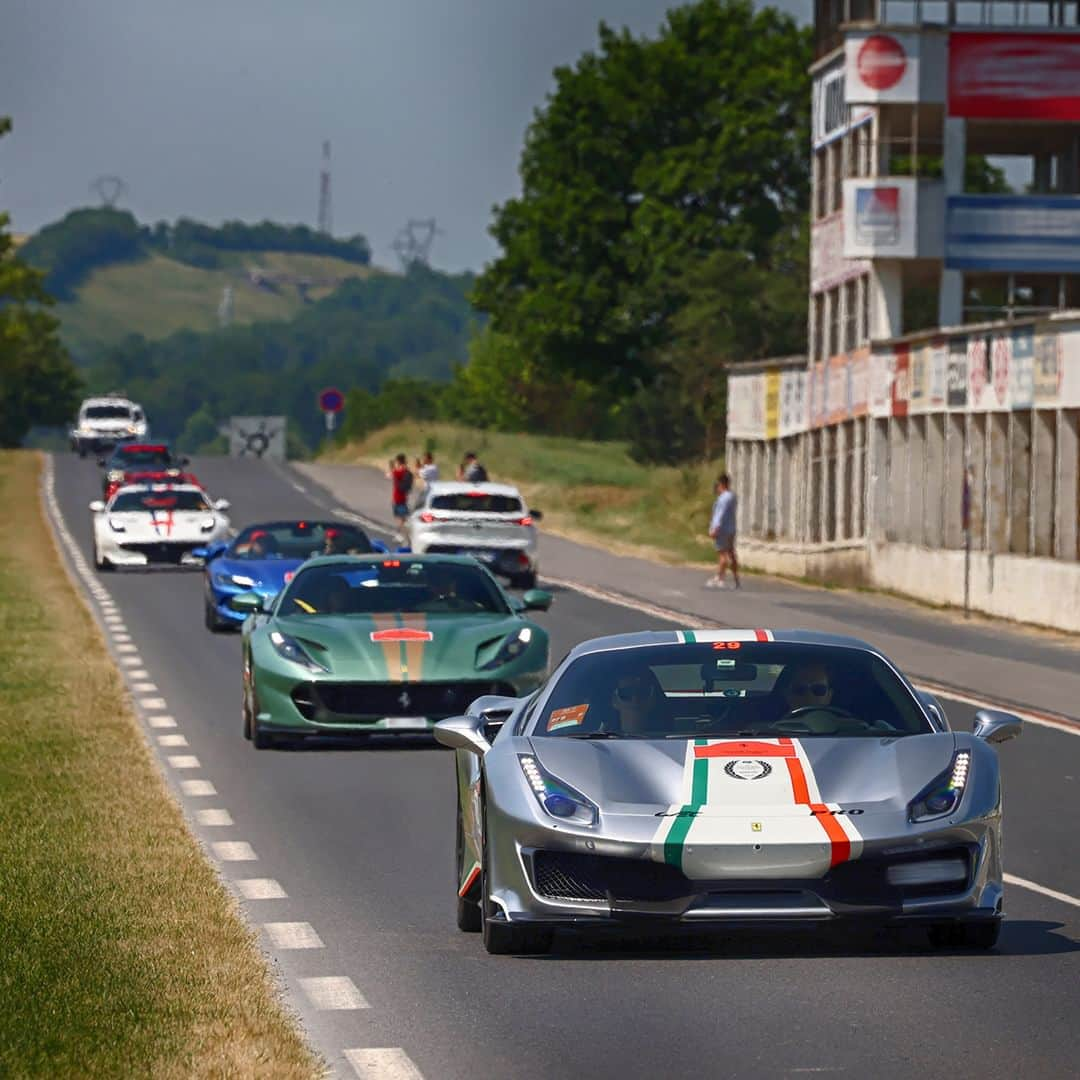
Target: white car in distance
pixel 156 523
pixel 490 522
pixel 105 422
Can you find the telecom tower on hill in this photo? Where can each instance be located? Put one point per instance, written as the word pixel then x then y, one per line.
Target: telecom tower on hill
pixel 326 219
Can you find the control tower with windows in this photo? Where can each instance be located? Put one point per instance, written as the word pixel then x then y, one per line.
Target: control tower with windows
pixel 938 409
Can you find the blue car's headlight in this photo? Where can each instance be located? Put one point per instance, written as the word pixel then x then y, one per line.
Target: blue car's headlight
pixel 556 798
pixel 291 649
pixel 944 793
pixel 237 581
pixel 510 649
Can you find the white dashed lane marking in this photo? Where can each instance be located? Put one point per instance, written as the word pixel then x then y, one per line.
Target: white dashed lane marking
pixel 214 818
pixel 121 637
pixel 293 935
pixel 139 673
pixel 383 1063
pixel 234 851
pixel 161 721
pixel 126 647
pixel 197 788
pixel 143 688
pixel 333 992
pixel 184 761
pixel 130 661
pixel 261 888
pixel 153 704
pixel 172 740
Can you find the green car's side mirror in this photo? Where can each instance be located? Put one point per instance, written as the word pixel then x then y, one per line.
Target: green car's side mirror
pixel 246 601
pixel 536 600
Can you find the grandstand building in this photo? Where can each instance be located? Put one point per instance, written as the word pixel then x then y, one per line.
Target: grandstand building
pixel 937 411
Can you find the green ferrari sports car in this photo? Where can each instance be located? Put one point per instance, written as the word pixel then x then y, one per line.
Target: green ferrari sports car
pixel 375 643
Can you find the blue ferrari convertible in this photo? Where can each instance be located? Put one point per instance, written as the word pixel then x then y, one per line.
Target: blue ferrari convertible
pixel 264 557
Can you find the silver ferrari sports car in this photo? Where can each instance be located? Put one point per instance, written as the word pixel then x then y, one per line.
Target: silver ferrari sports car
pixel 714 778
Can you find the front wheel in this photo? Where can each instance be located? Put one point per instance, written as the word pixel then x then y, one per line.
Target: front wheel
pixel 506 939
pixel 468 911
pixel 212 619
pixel 101 564
pixel 960 935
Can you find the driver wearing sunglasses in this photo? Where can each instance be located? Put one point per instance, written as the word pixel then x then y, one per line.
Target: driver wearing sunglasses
pixel 636 701
pixel 808 685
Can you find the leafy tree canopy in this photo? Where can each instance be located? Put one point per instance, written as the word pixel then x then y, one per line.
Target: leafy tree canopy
pixel 649 154
pixel 38 383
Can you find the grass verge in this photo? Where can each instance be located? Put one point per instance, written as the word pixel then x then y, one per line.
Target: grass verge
pixel 588 490
pixel 121 952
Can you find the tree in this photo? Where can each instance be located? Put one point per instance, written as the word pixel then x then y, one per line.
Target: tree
pixel 647 156
pixel 38 382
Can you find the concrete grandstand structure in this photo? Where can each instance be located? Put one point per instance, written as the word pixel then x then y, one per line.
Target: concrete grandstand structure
pixel 938 412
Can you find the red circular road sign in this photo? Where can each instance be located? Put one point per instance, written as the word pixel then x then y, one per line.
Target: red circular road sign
pixel 882 62
pixel 331 401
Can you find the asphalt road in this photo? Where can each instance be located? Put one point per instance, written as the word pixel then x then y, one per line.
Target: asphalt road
pixel 361 841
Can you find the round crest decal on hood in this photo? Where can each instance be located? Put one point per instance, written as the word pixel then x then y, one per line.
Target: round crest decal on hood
pixel 748 769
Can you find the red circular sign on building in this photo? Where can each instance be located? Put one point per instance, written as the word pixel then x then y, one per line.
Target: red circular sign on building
pixel 882 62
pixel 331 400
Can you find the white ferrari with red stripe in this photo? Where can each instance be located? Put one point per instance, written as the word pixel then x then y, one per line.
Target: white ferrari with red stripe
pixel 155 523
pixel 720 777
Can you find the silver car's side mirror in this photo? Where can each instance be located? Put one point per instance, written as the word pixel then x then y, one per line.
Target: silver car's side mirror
pixel 997 727
pixel 463 733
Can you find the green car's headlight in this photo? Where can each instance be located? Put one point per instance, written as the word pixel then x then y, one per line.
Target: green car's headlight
pixel 510 649
pixel 291 649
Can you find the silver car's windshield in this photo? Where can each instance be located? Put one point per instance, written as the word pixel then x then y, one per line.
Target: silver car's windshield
pixel 769 689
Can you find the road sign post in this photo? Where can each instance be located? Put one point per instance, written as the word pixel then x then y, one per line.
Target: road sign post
pixel 331 401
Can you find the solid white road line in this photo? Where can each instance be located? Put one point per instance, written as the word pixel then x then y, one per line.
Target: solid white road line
pixel 214 818
pixel 333 992
pixel 172 740
pixel 153 704
pixel 1039 719
pixel 234 851
pixel 260 888
pixel 1042 890
pixel 383 1063
pixel 197 788
pixel 293 935
pixel 161 721
pixel 183 761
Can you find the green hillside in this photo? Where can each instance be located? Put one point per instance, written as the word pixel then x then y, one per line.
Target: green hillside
pixel 157 296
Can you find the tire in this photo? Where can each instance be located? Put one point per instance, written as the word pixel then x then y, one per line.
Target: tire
pixel 961 935
pixel 212 619
pixel 506 939
pixel 468 911
pixel 101 564
pixel 261 739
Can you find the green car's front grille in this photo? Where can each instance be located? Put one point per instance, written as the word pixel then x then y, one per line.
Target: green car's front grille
pixel 327 702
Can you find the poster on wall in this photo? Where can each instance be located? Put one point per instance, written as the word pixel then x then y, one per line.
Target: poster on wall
pixel 792 402
pixel 837 394
pixel 772 404
pixel 1022 383
pixel 1000 368
pixel 1046 377
pixel 1004 76
pixel 957 379
pixel 880 218
pixel 828 266
pixel 859 382
pixel 1069 392
pixel 901 383
pixel 881 68
pixel 882 367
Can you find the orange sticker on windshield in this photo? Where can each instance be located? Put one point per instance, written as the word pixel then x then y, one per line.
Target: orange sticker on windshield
pixel 564 718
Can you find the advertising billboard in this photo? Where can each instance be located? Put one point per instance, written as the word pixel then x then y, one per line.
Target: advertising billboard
pixel 1040 234
pixel 828 266
pixel 881 68
pixel 1005 76
pixel 880 218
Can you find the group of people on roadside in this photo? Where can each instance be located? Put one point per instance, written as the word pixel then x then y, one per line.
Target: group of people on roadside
pixel 403 479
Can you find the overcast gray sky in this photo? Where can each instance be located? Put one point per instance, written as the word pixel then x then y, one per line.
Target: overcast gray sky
pixel 217 109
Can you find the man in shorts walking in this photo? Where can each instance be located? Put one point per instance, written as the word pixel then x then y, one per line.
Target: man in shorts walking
pixel 722 533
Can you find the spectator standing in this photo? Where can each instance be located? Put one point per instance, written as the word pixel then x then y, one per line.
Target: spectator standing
pixel 722 533
pixel 426 469
pixel 470 469
pixel 401 482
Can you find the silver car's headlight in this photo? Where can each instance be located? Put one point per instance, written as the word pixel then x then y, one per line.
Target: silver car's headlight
pixel 943 794
pixel 556 798
pixel 510 649
pixel 291 649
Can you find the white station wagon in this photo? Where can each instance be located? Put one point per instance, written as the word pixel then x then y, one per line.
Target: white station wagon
pixel 491 522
